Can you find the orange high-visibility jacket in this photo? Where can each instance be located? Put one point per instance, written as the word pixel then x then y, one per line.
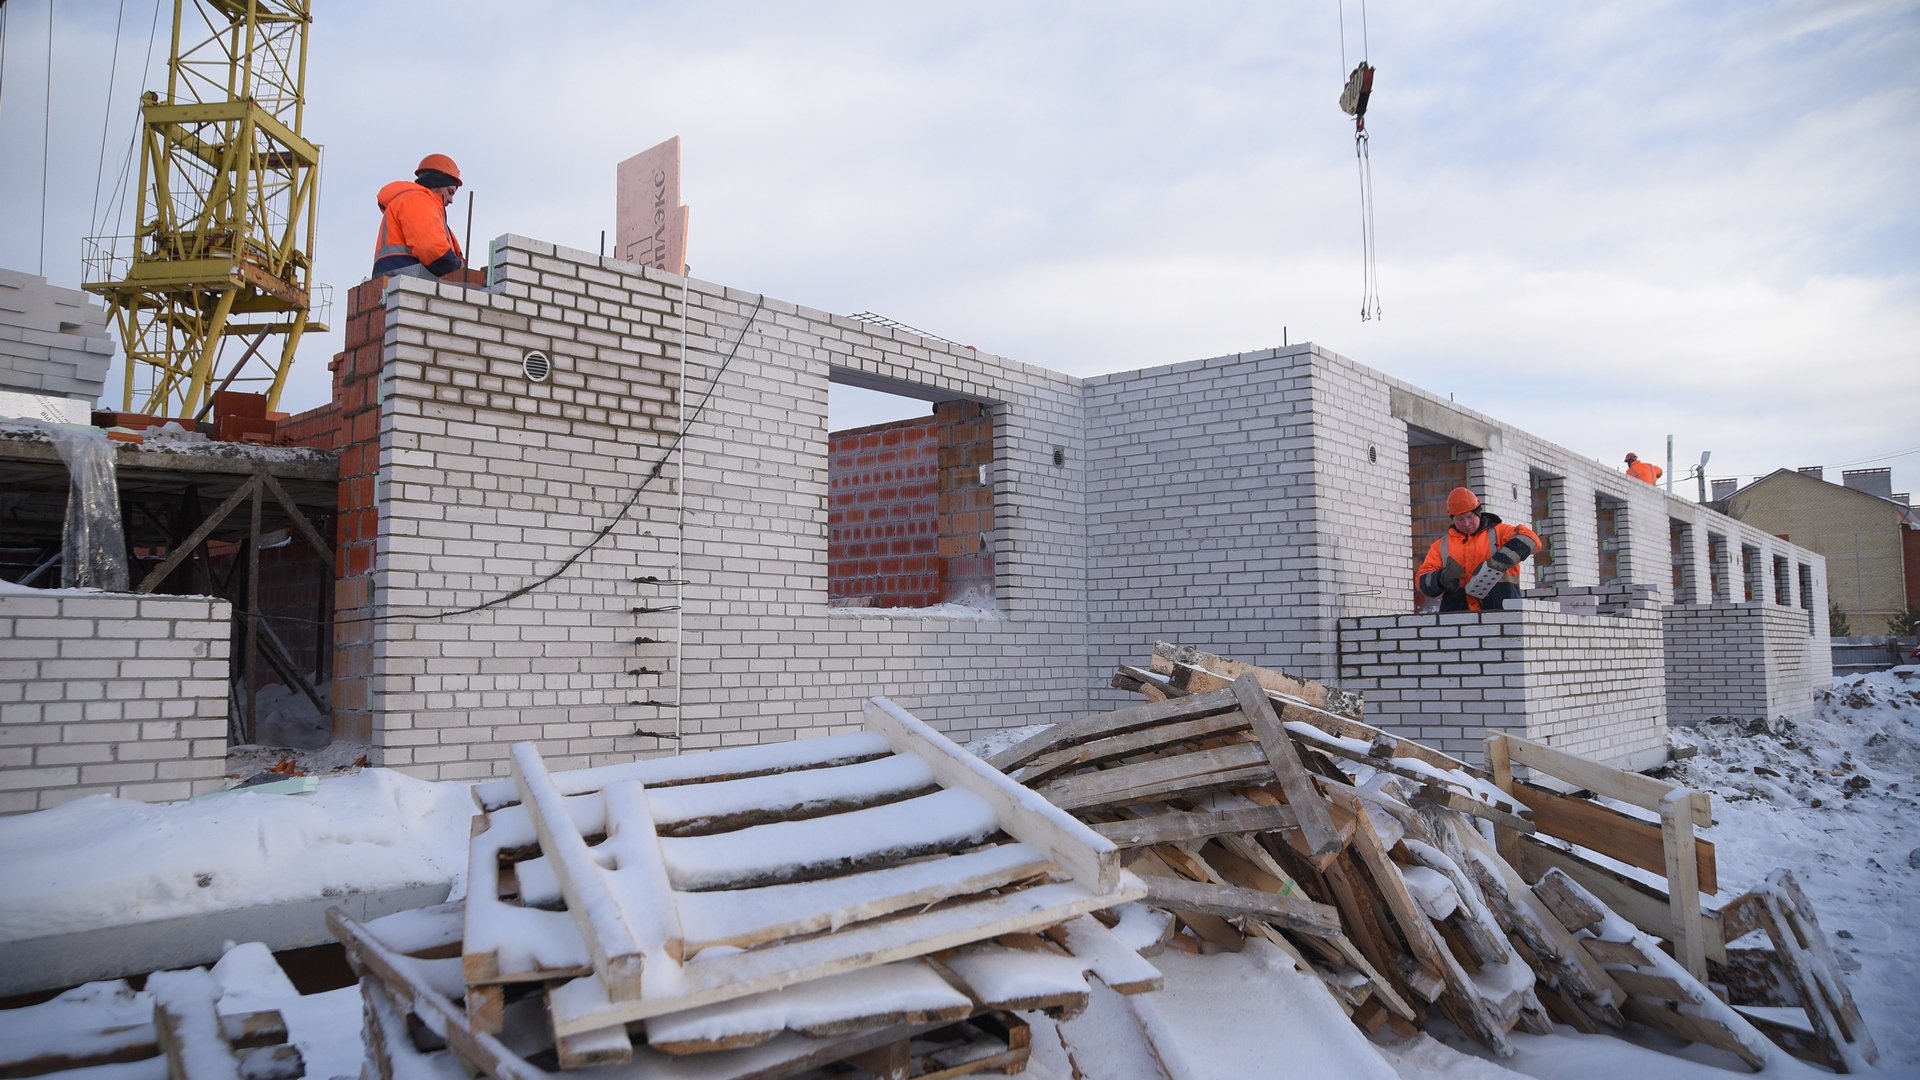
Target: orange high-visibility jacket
pixel 1645 470
pixel 414 232
pixel 1471 551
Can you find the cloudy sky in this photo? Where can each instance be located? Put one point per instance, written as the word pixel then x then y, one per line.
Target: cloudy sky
pixel 1604 223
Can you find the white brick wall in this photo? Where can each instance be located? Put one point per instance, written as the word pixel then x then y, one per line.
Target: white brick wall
pixel 105 693
pixel 1744 661
pixel 1244 504
pixel 1583 678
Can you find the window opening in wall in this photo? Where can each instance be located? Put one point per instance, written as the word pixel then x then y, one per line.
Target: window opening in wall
pixel 1750 570
pixel 909 496
pixel 1609 515
pixel 1435 466
pixel 1680 542
pixel 1782 583
pixel 1717 567
pixel 1544 506
pixel 1806 593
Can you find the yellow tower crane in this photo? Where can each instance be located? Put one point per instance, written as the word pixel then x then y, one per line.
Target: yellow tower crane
pixel 221 258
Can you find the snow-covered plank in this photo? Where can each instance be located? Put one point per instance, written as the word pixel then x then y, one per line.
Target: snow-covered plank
pixel 1082 853
pixel 502 940
pixel 1179 825
pixel 728 764
pixel 35 1050
pixel 745 917
pixel 582 1005
pixel 188 1026
pixel 904 992
pixel 787 795
pixel 1184 663
pixel 1638 903
pixel 1099 751
pixel 1000 977
pixel 1232 901
pixel 1105 956
pixel 1239 765
pixel 1805 957
pixel 621 940
pixel 1118 722
pixel 945 821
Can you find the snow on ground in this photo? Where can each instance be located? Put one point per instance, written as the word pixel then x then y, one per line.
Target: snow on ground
pixel 1834 798
pixel 103 861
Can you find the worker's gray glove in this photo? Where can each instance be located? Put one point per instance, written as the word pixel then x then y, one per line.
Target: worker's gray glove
pixel 1444 580
pixel 1484 579
pixel 1504 558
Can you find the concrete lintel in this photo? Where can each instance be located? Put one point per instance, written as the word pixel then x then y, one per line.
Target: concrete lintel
pixel 112 952
pixel 1437 417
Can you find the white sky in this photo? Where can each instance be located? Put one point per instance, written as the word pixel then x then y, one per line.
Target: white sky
pixel 1604 224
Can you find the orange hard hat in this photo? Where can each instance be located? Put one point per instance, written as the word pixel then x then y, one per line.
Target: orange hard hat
pixel 1461 501
pixel 439 163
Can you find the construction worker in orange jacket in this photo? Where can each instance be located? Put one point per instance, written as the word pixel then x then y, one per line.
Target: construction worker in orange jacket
pixel 1643 470
pixel 414 238
pixel 1475 566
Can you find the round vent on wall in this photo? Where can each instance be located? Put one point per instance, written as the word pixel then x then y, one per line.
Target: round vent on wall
pixel 537 366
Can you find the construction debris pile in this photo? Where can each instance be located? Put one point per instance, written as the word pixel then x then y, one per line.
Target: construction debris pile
pixel 884 903
pixel 882 899
pixel 1258 805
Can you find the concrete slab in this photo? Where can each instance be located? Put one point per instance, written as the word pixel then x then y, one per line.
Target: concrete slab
pixel 112 952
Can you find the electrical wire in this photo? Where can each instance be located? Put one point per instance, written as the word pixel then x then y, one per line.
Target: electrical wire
pixel 633 497
pixel 3 59
pixel 117 201
pixel 106 113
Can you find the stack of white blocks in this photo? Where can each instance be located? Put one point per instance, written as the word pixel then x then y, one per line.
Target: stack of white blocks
pixel 111 694
pixel 53 341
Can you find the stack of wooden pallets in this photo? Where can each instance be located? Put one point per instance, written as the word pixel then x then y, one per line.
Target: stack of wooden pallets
pixel 1256 804
pixel 187 1040
pixel 880 897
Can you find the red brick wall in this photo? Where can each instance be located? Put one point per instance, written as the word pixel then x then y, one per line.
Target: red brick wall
pixel 966 500
pixel 883 487
pixel 1432 472
pixel 356 375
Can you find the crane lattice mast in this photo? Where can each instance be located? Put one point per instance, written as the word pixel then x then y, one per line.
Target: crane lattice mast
pixel 221 259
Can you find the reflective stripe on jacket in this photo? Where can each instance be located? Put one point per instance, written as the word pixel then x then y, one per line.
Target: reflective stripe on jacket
pixel 414 232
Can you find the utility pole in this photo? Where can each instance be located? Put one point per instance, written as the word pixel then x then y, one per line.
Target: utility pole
pixel 1669 466
pixel 1700 474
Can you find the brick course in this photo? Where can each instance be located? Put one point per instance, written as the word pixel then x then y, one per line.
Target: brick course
pixel 87 710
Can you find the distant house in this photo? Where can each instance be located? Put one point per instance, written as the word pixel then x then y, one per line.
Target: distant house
pixel 1870 536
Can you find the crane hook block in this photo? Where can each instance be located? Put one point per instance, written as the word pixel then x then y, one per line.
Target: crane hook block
pixel 1353 99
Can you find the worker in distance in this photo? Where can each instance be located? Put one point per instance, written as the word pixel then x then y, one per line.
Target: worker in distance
pixel 1643 470
pixel 1475 565
pixel 415 239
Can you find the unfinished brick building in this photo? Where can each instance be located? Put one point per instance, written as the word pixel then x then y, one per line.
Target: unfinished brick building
pixel 593 504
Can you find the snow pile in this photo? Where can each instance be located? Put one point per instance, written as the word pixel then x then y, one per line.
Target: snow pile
pixel 104 861
pixel 1836 799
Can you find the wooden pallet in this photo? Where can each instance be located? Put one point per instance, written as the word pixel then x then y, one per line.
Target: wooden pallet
pixel 1791 988
pixel 185 1028
pixel 712 877
pixel 1660 992
pixel 895 1010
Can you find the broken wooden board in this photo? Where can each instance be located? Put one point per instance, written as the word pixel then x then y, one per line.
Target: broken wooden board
pixel 1169 657
pixel 1834 1033
pixel 1641 904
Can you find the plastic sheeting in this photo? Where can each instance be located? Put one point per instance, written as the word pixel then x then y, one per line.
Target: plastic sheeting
pixel 93 553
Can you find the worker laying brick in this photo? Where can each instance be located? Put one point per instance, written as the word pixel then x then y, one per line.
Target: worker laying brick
pixel 1475 565
pixel 414 238
pixel 1645 471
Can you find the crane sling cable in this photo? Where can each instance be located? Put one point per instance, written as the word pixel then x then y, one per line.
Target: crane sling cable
pixel 1353 101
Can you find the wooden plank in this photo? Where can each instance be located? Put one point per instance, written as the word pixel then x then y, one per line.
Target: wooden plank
pixel 1652 984
pixel 199 536
pixel 1808 962
pixel 307 531
pixel 583 1005
pixel 619 953
pixel 39 1050
pixel 1101 750
pixel 1316 828
pixel 187 1026
pixel 1169 657
pixel 1691 1028
pixel 1083 854
pixel 1231 901
pixel 1407 913
pixel 1642 791
pixel 742 918
pixel 1638 903
pixel 1500 770
pixel 1118 722
pixel 1438 795
pixel 1159 777
pixel 1614 834
pixel 1686 876
pixel 1178 825
pixel 1106 957
pixel 1613 952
